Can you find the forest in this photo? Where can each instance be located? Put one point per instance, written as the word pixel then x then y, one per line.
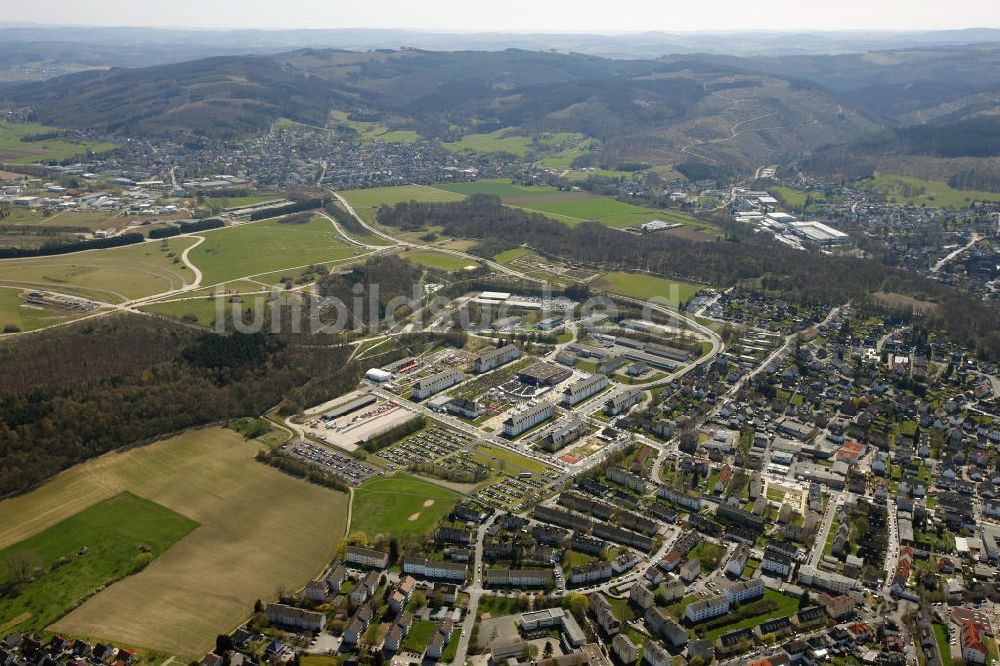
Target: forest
pixel 808 278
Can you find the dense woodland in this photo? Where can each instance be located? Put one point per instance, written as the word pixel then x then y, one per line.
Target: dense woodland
pixel 804 277
pixel 75 392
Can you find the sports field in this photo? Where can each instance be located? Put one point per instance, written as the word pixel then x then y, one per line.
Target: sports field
pixel 645 287
pixel 399 506
pixel 100 544
pixel 112 275
pixel 264 247
pixel 14 149
pixel 493 142
pixel 260 530
pixel 438 260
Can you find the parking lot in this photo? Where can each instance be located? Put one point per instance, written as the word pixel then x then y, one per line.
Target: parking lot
pixel 352 471
pixel 428 446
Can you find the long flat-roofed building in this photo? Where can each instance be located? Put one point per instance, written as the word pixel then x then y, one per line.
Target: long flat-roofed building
pixel 525 419
pixel 436 383
pixel 583 389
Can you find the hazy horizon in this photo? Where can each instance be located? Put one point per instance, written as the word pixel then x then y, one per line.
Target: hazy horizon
pixel 519 16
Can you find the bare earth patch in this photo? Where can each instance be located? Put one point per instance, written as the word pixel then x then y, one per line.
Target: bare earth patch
pixel 428 503
pixel 413 517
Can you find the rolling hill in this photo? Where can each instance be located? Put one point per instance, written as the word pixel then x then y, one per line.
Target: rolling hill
pixel 661 111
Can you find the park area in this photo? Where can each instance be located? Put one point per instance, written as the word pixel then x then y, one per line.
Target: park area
pixel 399 506
pixel 260 529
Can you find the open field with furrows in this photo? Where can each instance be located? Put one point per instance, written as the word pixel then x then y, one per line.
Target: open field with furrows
pixel 97 546
pixel 14 148
pixel 493 142
pixel 15 313
pixel 438 260
pixel 645 287
pixel 112 275
pixel 367 201
pixel 399 506
pixel 264 247
pixel 931 193
pixel 259 530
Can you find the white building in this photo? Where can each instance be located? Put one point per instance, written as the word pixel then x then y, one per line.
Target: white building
pixel 524 419
pixel 583 389
pixel 436 383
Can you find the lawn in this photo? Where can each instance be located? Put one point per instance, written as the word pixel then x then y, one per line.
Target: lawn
pixel 367 201
pixel 645 287
pixel 260 530
pixel 420 633
pixel 14 313
pixel 931 193
pixel 83 553
pixel 493 142
pixel 512 461
pixel 111 275
pixel 438 260
pixel 14 149
pixel 264 247
pixel 785 606
pixel 400 506
pixel 943 642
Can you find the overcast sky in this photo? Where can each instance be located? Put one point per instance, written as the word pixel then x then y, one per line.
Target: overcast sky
pixel 522 15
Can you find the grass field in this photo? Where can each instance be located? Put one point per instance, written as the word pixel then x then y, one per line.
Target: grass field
pixel 237 202
pixel 419 635
pixel 510 256
pixel 943 642
pixel 498 187
pixel 493 142
pixel 111 275
pixel 260 530
pixel 444 262
pixel 785 606
pixel 263 247
pixel 609 212
pixel 121 535
pixel 203 309
pixel 399 506
pixel 512 462
pixel 645 287
pixel 794 199
pixel 14 149
pixel 14 313
pixel 373 131
pixel 367 201
pixel 931 193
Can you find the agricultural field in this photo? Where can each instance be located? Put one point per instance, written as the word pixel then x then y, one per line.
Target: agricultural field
pixel 931 193
pixel 14 148
pixel 645 287
pixel 260 529
pixel 399 506
pixel 366 202
pixel 14 314
pixel 438 260
pixel 493 142
pixel 99 545
pixel 112 275
pixel 269 246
